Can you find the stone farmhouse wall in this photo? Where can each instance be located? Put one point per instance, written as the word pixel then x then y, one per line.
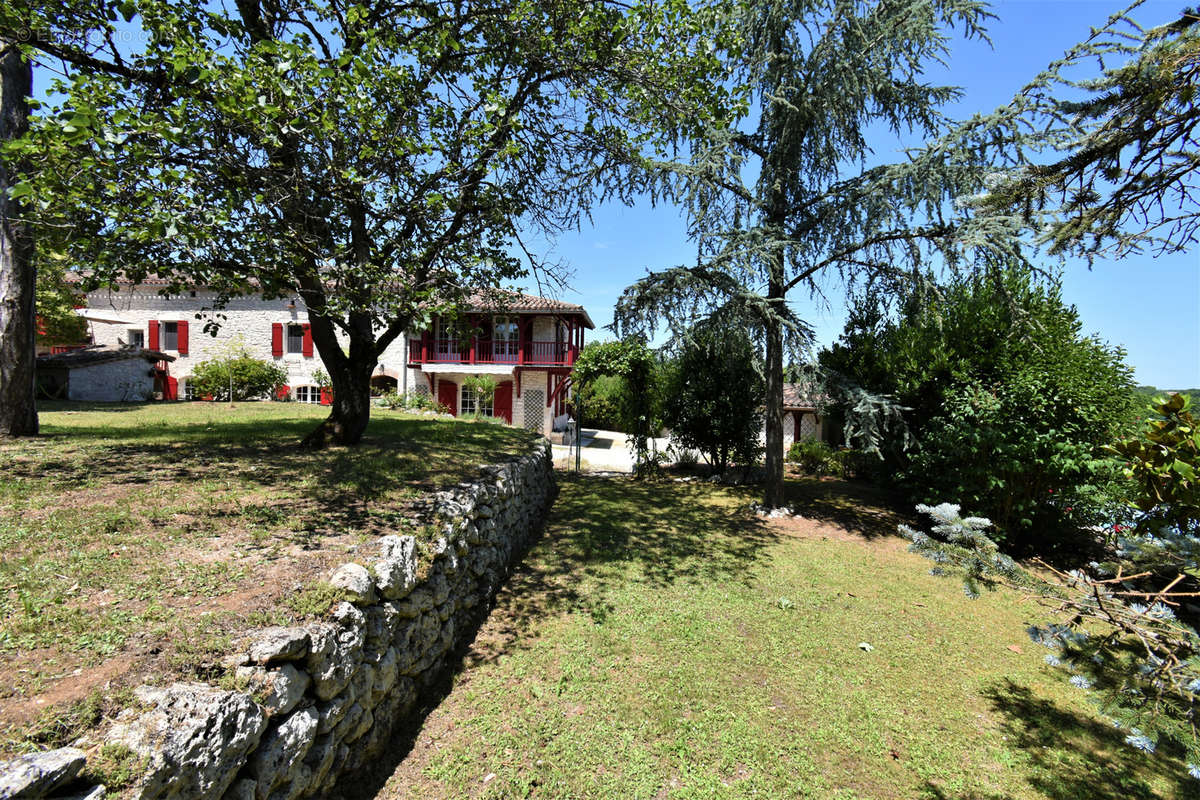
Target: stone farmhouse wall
pixel 323 699
pixel 246 321
pixel 112 381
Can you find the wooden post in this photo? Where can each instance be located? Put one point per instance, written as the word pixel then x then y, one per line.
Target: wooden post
pixel 520 346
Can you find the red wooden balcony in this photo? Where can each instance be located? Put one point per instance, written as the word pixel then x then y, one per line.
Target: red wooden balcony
pixel 427 350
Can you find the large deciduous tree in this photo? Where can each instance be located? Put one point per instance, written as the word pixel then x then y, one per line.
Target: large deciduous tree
pixel 785 199
pixel 380 160
pixel 18 412
pixel 24 24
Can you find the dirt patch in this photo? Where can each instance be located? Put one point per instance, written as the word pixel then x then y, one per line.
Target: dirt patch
pixel 136 543
pixel 67 688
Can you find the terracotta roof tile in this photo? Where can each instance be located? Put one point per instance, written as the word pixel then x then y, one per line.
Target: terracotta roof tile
pixel 802 396
pixel 504 300
pixel 493 301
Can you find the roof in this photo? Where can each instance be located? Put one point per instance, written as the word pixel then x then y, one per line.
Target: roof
pixel 491 300
pixel 799 396
pixel 505 300
pixel 75 276
pixel 90 356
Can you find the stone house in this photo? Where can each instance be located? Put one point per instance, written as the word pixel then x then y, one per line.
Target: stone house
pixel 528 346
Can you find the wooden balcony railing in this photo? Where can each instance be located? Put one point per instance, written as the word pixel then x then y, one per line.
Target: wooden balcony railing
pixel 490 351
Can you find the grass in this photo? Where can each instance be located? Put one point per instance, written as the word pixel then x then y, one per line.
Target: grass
pixel 660 642
pixel 136 538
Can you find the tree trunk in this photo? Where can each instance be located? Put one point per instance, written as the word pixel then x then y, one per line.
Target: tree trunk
pixel 351 378
pixel 351 409
pixel 773 487
pixel 18 280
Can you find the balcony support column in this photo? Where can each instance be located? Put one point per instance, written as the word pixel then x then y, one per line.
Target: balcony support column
pixel 520 342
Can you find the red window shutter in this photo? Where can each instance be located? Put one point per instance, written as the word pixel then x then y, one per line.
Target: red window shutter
pixel 152 331
pixel 182 345
pixel 308 345
pixel 277 339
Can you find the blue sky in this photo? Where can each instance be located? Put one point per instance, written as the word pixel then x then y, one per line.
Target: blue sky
pixel 1149 306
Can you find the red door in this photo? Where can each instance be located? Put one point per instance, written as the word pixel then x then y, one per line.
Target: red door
pixel 448 396
pixel 502 401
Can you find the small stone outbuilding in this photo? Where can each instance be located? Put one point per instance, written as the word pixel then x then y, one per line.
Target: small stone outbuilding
pixel 105 375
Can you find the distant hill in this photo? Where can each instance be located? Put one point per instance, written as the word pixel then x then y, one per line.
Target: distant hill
pixel 1154 391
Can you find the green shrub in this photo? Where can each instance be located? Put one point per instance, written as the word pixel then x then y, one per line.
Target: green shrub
pixel 714 396
pixel 599 403
pixel 249 377
pixel 1009 402
pixel 411 401
pixel 814 457
pixel 1162 461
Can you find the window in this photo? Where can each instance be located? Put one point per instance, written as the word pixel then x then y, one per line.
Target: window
pixel 445 340
pixel 308 394
pixel 188 392
pixel 295 338
pixel 505 335
pixel 469 406
pixel 137 337
pixel 170 336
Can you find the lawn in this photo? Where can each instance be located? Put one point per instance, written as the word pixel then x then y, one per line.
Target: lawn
pixel 661 642
pixel 135 539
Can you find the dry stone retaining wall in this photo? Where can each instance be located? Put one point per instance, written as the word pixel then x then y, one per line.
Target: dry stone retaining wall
pixel 324 698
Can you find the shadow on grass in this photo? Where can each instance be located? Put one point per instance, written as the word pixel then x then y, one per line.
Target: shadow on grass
pixel 337 486
pixel 602 531
pixel 866 510
pixel 1076 757
pixel 610 530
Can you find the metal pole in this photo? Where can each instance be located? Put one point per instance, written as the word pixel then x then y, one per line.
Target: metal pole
pixel 578 432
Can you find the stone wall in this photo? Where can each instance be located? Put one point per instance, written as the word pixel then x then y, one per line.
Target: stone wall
pixel 245 321
pixel 125 381
pixel 323 699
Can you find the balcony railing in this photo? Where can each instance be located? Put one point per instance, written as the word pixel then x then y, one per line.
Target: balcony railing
pixel 490 351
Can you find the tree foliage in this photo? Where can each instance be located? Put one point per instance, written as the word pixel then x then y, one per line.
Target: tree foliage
pixel 1123 627
pixel 712 401
pixel 1121 176
pixel 637 367
pixel 379 160
pixel 57 300
pixel 598 403
pixel 1009 402
pixel 784 200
